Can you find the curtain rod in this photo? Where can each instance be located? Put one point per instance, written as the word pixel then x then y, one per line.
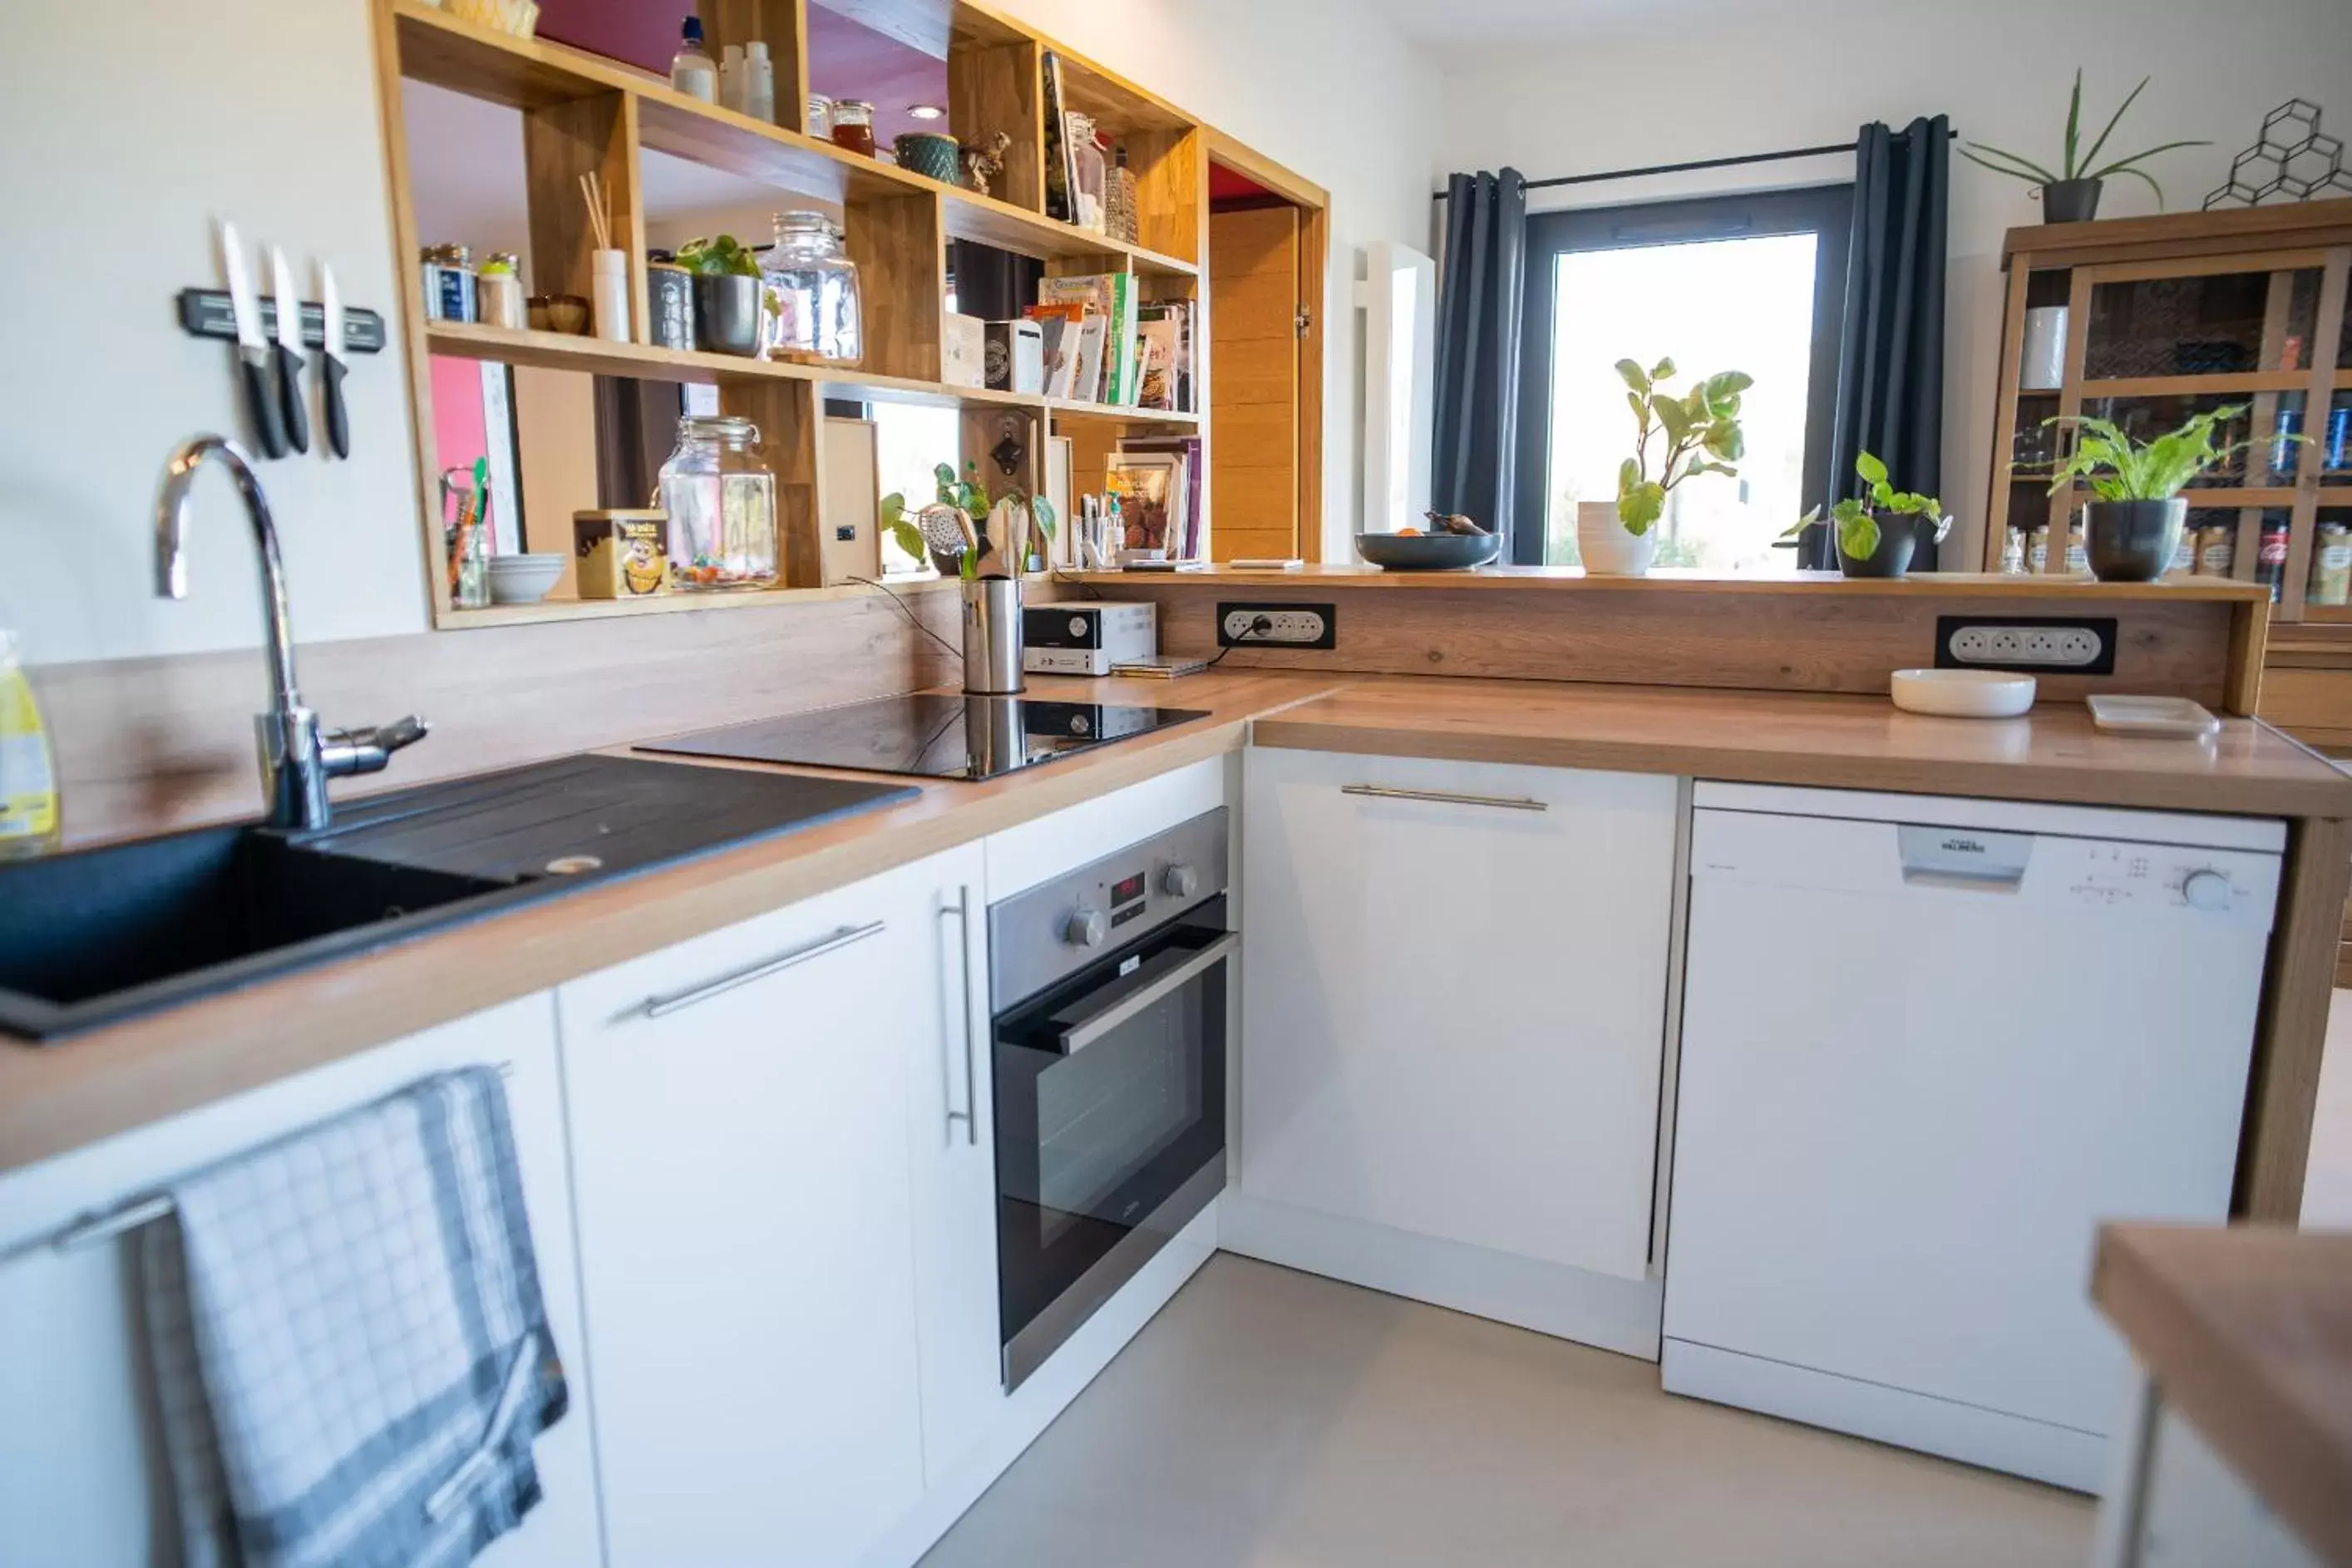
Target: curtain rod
pixel 1701 164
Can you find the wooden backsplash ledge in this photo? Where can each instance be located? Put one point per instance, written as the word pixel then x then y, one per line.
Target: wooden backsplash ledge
pixel 2201 640
pixel 145 745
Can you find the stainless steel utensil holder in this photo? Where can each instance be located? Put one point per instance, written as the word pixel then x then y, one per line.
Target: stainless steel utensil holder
pixel 993 646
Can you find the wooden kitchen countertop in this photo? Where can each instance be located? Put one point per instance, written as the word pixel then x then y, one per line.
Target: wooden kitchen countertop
pixel 59 1097
pixel 2247 1332
pixel 2052 753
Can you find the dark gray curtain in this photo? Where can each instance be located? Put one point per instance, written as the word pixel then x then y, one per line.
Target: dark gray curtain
pixel 1890 387
pixel 1481 291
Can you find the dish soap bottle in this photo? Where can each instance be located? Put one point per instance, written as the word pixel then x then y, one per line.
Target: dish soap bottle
pixel 28 787
pixel 691 69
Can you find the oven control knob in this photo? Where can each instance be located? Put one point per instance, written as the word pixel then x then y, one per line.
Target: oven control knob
pixel 1085 929
pixel 2205 891
pixel 1180 881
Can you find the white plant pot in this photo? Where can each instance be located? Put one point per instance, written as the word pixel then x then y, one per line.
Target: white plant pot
pixel 1607 549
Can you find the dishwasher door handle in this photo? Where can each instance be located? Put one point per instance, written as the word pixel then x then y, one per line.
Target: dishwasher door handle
pixel 1446 797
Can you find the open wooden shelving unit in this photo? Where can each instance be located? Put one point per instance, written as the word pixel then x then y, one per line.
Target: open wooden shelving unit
pixel 583 113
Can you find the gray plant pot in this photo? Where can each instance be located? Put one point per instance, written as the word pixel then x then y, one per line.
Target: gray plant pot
pixel 1898 537
pixel 2133 541
pixel 2071 201
pixel 726 313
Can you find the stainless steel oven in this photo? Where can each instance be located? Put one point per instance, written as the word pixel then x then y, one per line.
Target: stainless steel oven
pixel 1110 989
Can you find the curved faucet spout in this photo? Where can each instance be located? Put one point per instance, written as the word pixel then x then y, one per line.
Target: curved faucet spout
pixel 172 540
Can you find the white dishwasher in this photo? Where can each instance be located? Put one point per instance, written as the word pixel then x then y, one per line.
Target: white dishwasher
pixel 1927 1045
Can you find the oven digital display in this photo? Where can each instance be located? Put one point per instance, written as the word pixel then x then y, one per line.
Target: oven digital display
pixel 1128 891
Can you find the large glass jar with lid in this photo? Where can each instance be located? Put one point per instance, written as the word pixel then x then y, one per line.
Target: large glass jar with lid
pixel 721 499
pixel 814 309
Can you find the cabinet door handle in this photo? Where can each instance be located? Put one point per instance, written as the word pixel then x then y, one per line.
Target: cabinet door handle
pixel 960 912
pixel 1503 802
pixel 656 1006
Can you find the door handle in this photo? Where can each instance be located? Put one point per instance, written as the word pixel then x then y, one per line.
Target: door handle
pixel 1445 797
pixel 960 912
pixel 656 1006
pixel 1078 1037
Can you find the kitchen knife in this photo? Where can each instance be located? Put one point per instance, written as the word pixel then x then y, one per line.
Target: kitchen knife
pixel 252 350
pixel 289 350
pixel 331 363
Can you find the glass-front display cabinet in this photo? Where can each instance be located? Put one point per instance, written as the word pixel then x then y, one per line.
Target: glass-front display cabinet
pixel 2147 322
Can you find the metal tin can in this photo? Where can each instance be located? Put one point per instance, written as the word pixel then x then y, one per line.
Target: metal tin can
pixel 2270 561
pixel 2284 428
pixel 2216 549
pixel 2331 566
pixel 448 282
pixel 669 304
pixel 2339 437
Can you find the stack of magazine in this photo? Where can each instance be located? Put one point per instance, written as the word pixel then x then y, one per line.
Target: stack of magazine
pixel 1105 344
pixel 1157 482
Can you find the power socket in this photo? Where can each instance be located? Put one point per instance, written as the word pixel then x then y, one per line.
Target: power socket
pixel 1278 626
pixel 2031 643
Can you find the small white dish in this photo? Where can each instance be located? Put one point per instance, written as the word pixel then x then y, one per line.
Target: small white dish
pixel 2175 716
pixel 1962 693
pixel 523 579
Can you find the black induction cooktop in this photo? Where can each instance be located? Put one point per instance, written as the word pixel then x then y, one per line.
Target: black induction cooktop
pixel 930 734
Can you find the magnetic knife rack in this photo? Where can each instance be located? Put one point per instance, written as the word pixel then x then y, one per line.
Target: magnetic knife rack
pixel 208 313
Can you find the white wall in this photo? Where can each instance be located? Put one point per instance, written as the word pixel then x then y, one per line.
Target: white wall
pixel 1721 79
pixel 267 114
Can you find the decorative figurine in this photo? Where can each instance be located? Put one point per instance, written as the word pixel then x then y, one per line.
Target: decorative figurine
pixel 980 166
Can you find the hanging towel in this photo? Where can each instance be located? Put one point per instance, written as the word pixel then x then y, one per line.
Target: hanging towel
pixel 351 1352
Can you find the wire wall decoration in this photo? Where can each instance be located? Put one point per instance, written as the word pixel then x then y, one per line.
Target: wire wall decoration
pixel 2292 161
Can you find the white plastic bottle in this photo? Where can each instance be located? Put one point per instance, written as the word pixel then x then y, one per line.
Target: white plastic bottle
pixel 730 77
pixel 759 82
pixel 691 69
pixel 28 783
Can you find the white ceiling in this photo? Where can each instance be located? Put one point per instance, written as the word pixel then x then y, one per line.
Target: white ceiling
pixel 1466 30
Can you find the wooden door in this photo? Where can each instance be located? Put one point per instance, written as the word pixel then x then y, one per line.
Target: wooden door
pixel 740 1181
pixel 1456 999
pixel 1253 299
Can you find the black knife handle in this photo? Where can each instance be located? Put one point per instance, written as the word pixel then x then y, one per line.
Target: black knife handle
pixel 290 398
pixel 261 401
pixel 338 423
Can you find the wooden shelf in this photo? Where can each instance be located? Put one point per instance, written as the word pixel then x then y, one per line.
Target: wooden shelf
pixel 1067 408
pixel 596 356
pixel 2220 384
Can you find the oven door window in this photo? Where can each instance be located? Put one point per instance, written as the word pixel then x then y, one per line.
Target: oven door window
pixel 1110 1095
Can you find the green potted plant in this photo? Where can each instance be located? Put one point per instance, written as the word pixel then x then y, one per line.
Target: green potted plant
pixel 951 531
pixel 726 290
pixel 2132 527
pixel 1702 436
pixel 1876 532
pixel 2071 195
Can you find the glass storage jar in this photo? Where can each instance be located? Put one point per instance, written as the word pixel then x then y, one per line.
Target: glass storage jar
pixel 852 125
pixel 813 309
pixel 722 501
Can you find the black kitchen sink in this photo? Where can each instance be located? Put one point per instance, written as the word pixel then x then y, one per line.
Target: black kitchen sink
pixel 102 935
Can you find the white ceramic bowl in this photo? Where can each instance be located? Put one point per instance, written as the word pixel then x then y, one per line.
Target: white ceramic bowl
pixel 523 579
pixel 1962 693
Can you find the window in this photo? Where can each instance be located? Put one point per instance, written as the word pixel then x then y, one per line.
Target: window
pixel 1754 283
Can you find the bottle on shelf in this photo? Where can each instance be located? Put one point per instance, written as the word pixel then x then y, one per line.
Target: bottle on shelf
pixel 2270 559
pixel 759 82
pixel 2331 566
pixel 730 77
pixel 1086 155
pixel 1120 219
pixel 691 69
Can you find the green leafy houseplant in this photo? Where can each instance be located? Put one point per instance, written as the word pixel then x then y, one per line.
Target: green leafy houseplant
pixel 962 494
pixel 2077 163
pixel 2116 467
pixel 1702 436
pixel 1855 519
pixel 721 256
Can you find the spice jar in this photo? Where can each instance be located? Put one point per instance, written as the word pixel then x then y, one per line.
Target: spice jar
pixel 498 291
pixel 852 125
pixel 814 308
pixel 448 282
pixel 2331 566
pixel 820 116
pixel 2216 549
pixel 721 501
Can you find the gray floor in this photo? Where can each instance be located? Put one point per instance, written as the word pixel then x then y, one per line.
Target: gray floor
pixel 1272 1419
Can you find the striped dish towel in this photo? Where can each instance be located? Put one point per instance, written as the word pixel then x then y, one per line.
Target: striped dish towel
pixel 351 1352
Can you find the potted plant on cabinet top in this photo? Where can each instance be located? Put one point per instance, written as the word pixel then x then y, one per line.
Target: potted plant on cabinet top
pixel 2132 528
pixel 2072 194
pixel 1619 538
pixel 1875 537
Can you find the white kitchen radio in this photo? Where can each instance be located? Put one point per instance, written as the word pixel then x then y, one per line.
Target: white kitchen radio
pixel 1088 638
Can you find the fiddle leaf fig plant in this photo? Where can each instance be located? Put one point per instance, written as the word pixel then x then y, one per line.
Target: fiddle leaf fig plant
pixel 2117 467
pixel 1702 434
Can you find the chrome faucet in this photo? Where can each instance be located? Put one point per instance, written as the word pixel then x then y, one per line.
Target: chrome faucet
pixel 297 757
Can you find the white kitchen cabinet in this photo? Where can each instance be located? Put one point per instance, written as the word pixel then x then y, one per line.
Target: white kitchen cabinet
pixel 1454 1001
pixel 82 1483
pixel 742 1109
pixel 951 1151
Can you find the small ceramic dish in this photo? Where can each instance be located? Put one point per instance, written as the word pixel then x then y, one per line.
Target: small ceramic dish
pixel 523 579
pixel 557 313
pixel 1962 693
